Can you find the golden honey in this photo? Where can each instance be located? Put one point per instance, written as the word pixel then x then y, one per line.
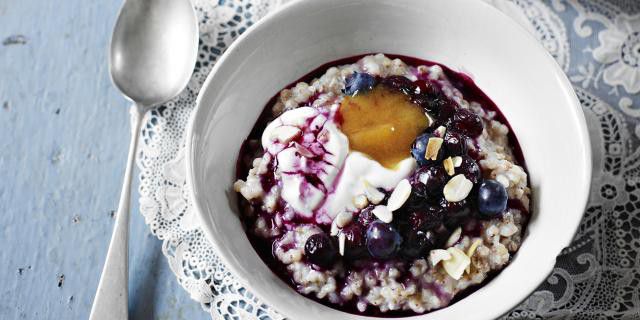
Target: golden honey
pixel 382 124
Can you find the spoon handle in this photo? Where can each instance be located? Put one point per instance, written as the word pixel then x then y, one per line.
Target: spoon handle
pixel 111 300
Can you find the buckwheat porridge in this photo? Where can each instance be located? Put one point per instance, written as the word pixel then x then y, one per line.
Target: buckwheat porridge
pixel 383 186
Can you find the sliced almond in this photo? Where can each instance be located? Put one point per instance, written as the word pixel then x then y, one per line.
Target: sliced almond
pixel 341 241
pixel 448 166
pixel 360 201
pixel 457 161
pixel 433 147
pixel 458 263
pixel 374 195
pixel 457 189
pixel 334 228
pixel 437 255
pixel 383 213
pixel 343 219
pixel 508 230
pixel 440 131
pixel 430 120
pixel 284 134
pixel 454 237
pixel 399 195
pixel 471 251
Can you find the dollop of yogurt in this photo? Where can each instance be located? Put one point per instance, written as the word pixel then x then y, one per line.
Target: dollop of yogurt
pixel 319 175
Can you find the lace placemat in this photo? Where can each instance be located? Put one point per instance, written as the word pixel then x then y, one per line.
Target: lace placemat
pixel 596 42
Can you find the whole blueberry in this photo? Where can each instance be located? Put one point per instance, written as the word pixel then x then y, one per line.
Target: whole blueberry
pixel 429 180
pixel 400 83
pixel 320 250
pixel 383 240
pixel 455 143
pixel 492 198
pixel 467 122
pixel 358 82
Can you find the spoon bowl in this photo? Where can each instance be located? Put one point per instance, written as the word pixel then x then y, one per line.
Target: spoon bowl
pixel 153 49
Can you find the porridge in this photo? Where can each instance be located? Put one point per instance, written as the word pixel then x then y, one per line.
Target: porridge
pixel 383 185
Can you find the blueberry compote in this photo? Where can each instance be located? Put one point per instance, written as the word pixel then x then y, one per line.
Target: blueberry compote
pixel 451 197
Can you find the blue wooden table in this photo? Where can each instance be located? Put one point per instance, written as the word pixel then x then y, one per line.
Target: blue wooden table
pixel 64 132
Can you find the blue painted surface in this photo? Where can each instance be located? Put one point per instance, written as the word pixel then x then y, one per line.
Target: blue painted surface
pixel 63 142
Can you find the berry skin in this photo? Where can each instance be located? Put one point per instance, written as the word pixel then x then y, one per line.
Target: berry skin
pixel 455 212
pixel 467 122
pixel 429 181
pixel 455 143
pixel 358 82
pixel 400 83
pixel 383 240
pixel 320 250
pixel 417 243
pixel 492 198
pixel 470 169
pixel 366 216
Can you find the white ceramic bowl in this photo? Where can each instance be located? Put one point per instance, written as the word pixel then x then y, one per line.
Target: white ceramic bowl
pixel 506 62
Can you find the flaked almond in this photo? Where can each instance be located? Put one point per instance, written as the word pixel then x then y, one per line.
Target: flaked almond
pixel 437 255
pixel 284 134
pixel 448 166
pixel 454 237
pixel 383 213
pixel 457 189
pixel 343 219
pixel 360 201
pixel 433 147
pixel 399 195
pixel 430 120
pixel 458 263
pixel 457 161
pixel 334 228
pixel 341 241
pixel 374 195
pixel 508 230
pixel 440 131
pixel 471 251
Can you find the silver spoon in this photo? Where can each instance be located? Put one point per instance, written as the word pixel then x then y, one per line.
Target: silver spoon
pixel 153 52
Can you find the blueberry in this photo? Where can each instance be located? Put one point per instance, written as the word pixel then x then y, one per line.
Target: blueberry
pixel 429 180
pixel 320 250
pixel 417 243
pixel 470 169
pixel 492 198
pixel 358 83
pixel 467 122
pixel 455 143
pixel 455 212
pixel 383 240
pixel 419 148
pixel 400 83
pixel 355 241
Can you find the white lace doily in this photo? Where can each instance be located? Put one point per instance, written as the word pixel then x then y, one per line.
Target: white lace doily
pixel 597 42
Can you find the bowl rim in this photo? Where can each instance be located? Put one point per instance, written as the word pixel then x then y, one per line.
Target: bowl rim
pixel 566 87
